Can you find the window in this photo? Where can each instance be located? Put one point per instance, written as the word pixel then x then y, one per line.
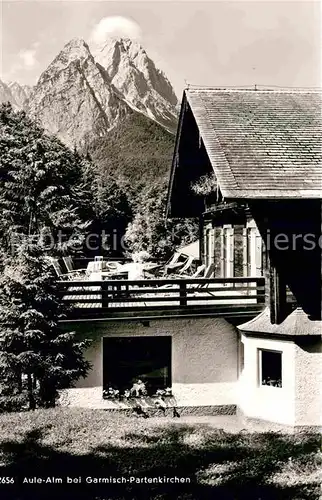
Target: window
pixel 270 368
pixel 129 359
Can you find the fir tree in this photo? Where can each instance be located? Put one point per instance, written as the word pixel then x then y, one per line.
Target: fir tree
pixel 42 187
pixel 37 358
pixel 43 191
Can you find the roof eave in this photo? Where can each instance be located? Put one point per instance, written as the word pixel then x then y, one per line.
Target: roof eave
pixel 265 194
pixel 175 153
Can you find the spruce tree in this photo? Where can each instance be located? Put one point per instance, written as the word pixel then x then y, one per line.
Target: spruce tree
pixel 37 358
pixel 43 193
pixel 42 187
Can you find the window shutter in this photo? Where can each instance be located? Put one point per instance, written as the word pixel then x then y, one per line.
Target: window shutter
pixel 238 250
pixel 258 253
pixel 245 252
pixel 223 252
pixel 230 263
pixel 218 251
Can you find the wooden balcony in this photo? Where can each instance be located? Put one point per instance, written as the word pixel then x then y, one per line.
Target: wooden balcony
pixel 155 298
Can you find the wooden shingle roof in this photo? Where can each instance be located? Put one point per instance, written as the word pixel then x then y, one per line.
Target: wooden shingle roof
pixel 296 324
pixel 261 144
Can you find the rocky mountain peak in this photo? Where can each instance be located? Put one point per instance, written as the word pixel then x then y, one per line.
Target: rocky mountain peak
pixel 145 88
pixel 131 49
pixel 5 94
pixel 76 50
pixel 83 95
pixel 15 93
pixel 132 71
pixel 20 93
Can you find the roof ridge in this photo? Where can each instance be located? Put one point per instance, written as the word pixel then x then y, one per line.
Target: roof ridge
pixel 248 88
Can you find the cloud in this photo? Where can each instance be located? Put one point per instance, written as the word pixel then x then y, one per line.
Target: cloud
pixel 115 26
pixel 28 57
pixel 25 60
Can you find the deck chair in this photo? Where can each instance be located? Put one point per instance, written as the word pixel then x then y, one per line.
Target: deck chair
pixel 199 272
pixel 67 277
pixel 186 266
pixel 173 262
pixel 181 274
pixel 59 272
pixel 162 270
pixel 57 268
pixel 68 261
pixel 208 273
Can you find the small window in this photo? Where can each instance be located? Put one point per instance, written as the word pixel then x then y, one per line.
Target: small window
pixel 270 368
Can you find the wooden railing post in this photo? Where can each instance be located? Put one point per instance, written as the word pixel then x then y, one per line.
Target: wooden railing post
pixel 183 294
pixel 105 294
pixel 260 292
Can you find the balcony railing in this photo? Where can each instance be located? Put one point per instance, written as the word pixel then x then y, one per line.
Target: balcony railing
pixel 106 299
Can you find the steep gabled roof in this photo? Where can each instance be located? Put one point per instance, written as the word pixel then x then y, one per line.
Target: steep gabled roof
pixel 261 144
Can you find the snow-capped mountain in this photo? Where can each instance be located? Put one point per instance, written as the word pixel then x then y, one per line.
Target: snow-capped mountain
pixel 82 96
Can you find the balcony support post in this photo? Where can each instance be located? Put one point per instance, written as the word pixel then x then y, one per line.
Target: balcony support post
pixel 183 294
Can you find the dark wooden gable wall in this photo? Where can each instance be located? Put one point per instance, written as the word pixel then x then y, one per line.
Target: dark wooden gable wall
pixel 190 163
pixel 291 231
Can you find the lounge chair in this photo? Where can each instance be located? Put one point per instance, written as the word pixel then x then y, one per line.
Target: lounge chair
pixel 183 276
pixel 199 271
pixel 68 261
pixel 208 273
pixel 163 270
pixel 70 277
pixel 57 268
pixel 198 274
pixel 59 272
pixel 173 263
pixel 185 267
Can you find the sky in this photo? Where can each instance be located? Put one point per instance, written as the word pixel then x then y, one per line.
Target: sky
pixel 215 43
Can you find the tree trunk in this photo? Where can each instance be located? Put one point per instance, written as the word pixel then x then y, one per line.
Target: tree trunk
pixel 34 383
pixel 19 381
pixel 47 394
pixel 32 403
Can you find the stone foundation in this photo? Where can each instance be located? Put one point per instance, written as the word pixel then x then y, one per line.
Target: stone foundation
pixel 92 398
pixel 262 425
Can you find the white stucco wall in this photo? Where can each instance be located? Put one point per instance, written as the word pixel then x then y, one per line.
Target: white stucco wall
pixel 204 358
pixel 308 379
pixel 274 404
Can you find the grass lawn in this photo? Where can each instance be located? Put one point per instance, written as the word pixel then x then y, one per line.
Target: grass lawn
pixel 96 444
